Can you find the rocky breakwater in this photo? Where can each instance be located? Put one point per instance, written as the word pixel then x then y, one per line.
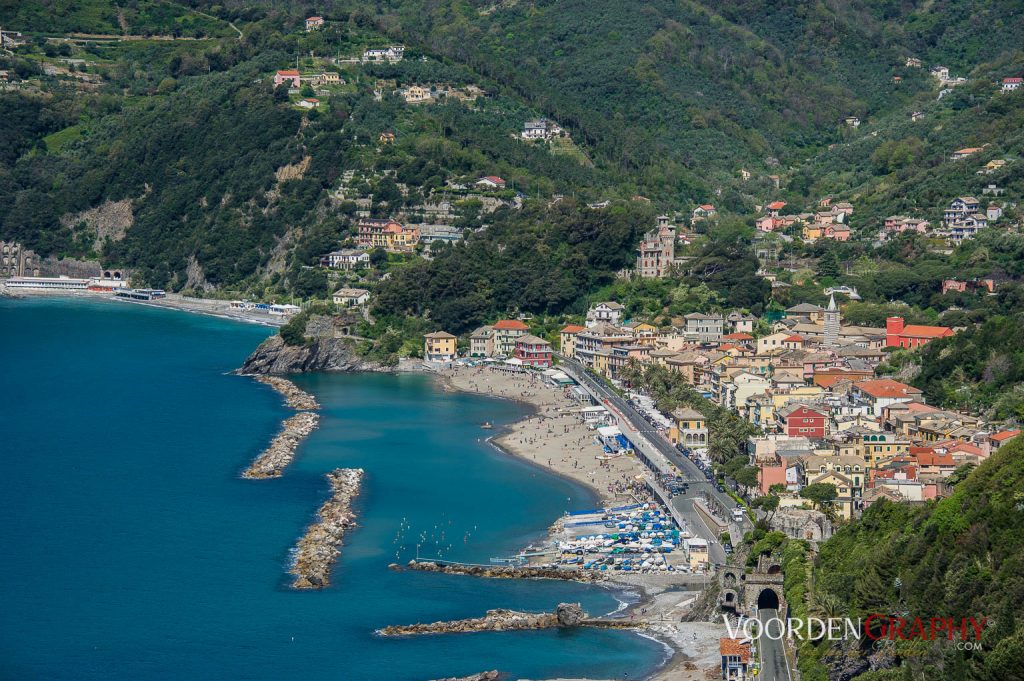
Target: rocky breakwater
pixel 275 458
pixel 296 397
pixel 565 615
pixel 318 549
pixel 502 571
pixel 325 346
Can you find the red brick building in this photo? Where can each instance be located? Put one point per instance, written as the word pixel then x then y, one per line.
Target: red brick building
pixel 799 420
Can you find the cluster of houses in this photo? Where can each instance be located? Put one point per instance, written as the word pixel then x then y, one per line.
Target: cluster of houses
pixel 506 339
pixel 810 387
pixel 828 222
pixel 961 220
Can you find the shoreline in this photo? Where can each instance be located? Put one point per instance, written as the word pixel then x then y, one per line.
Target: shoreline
pixel 691 647
pixel 170 303
pixel 549 436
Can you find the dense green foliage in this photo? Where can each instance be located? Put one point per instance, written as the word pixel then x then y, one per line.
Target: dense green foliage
pixel 961 557
pixel 982 366
pixel 538 260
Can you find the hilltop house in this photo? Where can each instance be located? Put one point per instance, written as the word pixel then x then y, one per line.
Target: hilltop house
pixel 308 103
pixel 345 259
pixel 416 94
pixel 1012 84
pixel 350 297
pixel 391 54
pixel 386 137
pixel 491 182
pixel 439 346
pixel 960 208
pixel 314 23
pixel 540 129
pixel 289 76
pixel 961 154
pixel 387 234
pixel 705 210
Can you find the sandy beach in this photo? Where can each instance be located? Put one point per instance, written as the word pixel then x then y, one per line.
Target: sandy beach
pixel 555 437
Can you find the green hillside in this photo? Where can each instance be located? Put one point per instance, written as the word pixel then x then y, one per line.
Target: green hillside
pixel 960 557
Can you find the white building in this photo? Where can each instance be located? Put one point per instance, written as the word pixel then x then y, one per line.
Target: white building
pixel 350 297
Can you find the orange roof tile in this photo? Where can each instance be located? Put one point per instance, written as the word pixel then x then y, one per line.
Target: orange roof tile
pixel 922 331
pixel 1005 435
pixel 886 387
pixel 777 205
pixel 572 328
pixel 739 336
pixel 511 324
pixel 731 646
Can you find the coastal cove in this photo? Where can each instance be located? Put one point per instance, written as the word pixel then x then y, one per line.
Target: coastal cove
pixel 134 549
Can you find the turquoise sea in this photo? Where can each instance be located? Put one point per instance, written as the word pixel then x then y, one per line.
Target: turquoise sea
pixel 130 548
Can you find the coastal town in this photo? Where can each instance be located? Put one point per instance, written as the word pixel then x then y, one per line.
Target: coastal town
pixel 730 332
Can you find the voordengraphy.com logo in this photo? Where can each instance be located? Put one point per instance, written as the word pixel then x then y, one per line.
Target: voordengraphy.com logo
pixel 963 630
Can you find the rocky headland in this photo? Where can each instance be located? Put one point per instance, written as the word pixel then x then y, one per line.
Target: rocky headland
pixel 502 571
pixel 328 346
pixel 275 458
pixel 318 549
pixel 295 397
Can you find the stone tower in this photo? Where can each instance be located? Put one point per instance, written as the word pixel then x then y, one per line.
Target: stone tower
pixel 832 322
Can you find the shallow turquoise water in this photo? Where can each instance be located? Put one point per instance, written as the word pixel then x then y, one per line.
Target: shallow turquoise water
pixel 131 549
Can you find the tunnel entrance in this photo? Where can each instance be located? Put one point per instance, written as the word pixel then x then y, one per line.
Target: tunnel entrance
pixel 768 600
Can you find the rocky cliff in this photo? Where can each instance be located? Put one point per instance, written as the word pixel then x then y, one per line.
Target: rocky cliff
pixel 327 348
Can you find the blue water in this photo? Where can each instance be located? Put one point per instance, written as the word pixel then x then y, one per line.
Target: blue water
pixel 131 549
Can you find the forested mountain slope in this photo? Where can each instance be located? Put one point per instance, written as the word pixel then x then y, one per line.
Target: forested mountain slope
pixel 960 557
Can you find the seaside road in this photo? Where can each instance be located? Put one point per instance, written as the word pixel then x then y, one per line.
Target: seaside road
pixel 636 423
pixel 774 666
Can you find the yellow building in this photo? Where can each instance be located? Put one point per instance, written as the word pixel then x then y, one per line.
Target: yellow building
pixel 439 346
pixel 688 428
pixel 567 336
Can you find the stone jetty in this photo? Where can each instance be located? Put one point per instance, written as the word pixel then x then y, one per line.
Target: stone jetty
pixel 503 571
pixel 566 615
pixel 296 397
pixel 276 457
pixel 318 550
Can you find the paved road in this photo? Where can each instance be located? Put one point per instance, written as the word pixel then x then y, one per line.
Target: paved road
pixel 774 666
pixel 646 437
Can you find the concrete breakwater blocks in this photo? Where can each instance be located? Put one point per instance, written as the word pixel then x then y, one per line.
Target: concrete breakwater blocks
pixel 276 457
pixel 318 550
pixel 293 395
pixel 503 571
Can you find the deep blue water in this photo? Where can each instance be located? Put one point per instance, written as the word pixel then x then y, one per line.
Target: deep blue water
pixel 131 549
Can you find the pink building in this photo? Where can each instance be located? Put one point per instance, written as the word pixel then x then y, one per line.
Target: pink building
pixel 288 76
